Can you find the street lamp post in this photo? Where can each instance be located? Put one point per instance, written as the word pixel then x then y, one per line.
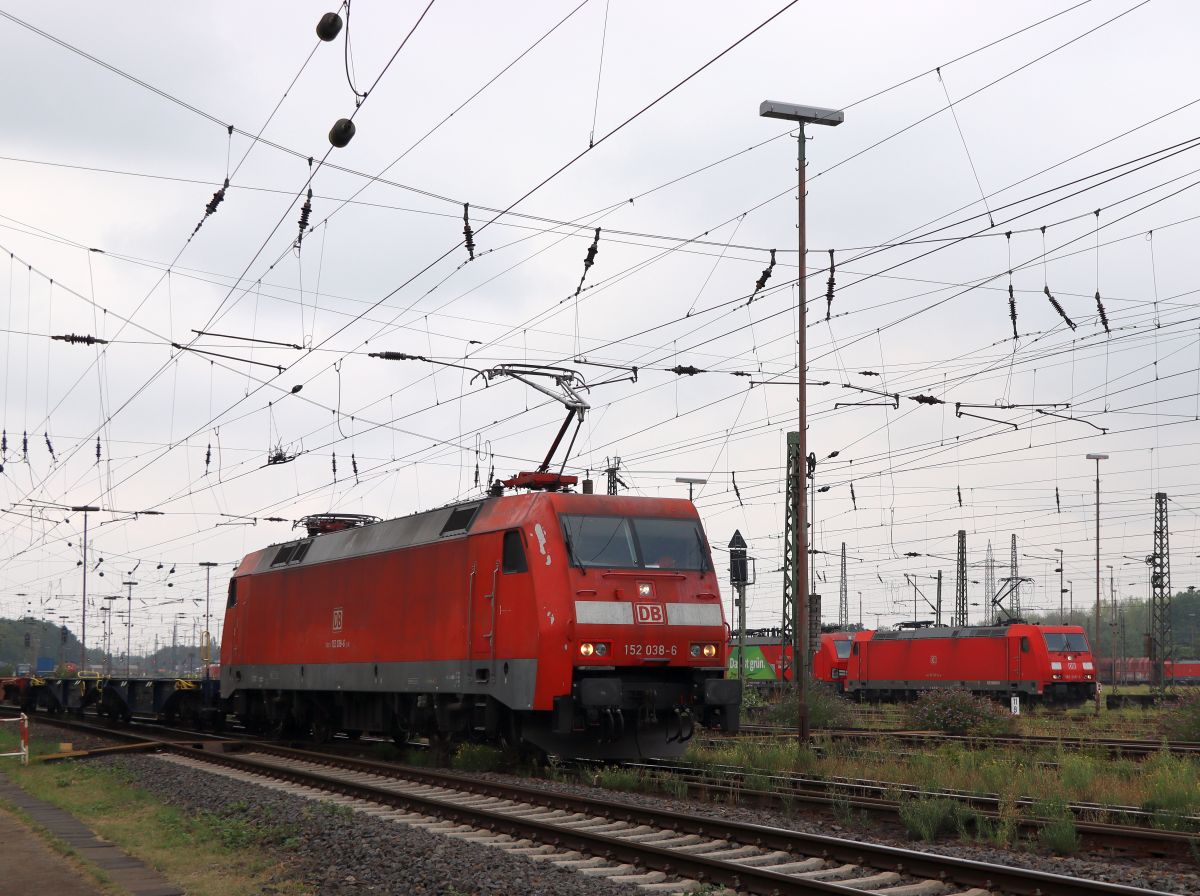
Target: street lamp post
pixel 1096 645
pixel 206 652
pixel 108 633
pixel 690 481
pixel 802 115
pixel 86 509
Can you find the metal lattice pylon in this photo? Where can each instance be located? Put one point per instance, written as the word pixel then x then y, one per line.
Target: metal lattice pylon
pixel 843 595
pixel 1014 600
pixel 989 581
pixel 1160 594
pixel 960 582
pixel 787 628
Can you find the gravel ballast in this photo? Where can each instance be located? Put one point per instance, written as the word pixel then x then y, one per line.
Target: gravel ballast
pixel 341 852
pixel 1152 874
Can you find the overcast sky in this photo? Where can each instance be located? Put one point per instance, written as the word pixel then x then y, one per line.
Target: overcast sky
pixel 1087 111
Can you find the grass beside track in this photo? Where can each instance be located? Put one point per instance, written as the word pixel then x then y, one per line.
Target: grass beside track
pixel 207 854
pixel 1164 784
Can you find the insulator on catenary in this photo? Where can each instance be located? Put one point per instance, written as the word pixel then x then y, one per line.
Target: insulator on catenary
pixel 589 260
pixel 736 491
pixel 926 399
pixel 868 373
pixel 217 198
pixel 335 466
pixel 829 286
pixel 958 488
pixel 305 211
pixel 1059 308
pixel 329 26
pixel 86 340
pixel 341 133
pixel 1057 500
pixel 468 233
pixel 207 458
pixel 97 449
pixel 25 446
pixel 1103 316
pixel 50 448
pixel 4 443
pixel 354 465
pixel 763 277
pixel 688 370
pixel 1012 309
pixel 853 497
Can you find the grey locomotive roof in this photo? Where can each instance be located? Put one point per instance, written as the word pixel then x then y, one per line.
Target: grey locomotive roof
pixel 925 634
pixel 407 531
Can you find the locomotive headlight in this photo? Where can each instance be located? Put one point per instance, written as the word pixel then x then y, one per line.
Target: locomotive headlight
pixel 710 650
pixel 601 649
pixel 695 650
pixel 587 648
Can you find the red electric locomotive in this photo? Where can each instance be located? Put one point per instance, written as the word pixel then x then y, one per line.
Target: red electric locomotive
pixel 584 625
pixel 832 659
pixel 1039 662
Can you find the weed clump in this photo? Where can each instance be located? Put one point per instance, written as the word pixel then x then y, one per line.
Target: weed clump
pixel 478 758
pixel 1058 832
pixel 928 818
pixel 960 712
pixel 1182 722
pixel 613 777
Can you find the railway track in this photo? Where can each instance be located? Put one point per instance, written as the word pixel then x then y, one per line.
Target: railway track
pixel 1117 746
pixel 1117 830
pixel 658 851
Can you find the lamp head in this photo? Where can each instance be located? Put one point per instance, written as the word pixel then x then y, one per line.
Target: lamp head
pixel 802 114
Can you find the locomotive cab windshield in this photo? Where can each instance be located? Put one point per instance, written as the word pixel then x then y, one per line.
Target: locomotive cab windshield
pixel 1066 642
pixel 619 542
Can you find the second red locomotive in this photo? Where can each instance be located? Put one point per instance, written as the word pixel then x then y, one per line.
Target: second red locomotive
pixel 1042 662
pixel 584 625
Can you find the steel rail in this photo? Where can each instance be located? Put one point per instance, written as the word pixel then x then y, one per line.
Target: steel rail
pixel 1139 841
pixel 965 872
pixel 1129 746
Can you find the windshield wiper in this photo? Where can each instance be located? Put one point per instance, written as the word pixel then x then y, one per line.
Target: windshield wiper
pixel 571 556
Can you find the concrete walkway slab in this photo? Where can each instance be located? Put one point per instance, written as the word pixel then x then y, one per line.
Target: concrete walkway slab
pixel 39 866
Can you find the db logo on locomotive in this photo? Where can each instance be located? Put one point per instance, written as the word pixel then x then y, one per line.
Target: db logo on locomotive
pixel 337 619
pixel 649 614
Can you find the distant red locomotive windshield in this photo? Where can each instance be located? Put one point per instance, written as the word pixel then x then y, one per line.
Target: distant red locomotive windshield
pixel 586 625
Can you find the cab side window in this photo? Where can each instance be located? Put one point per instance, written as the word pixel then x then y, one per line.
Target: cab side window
pixel 514 552
pixel 1024 644
pixel 232 600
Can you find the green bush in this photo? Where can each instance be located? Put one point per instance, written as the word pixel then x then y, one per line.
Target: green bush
pixel 826 709
pixel 959 712
pixel 1182 722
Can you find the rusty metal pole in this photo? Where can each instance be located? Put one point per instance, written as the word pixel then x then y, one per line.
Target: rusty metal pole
pixel 1096 644
pixel 801 660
